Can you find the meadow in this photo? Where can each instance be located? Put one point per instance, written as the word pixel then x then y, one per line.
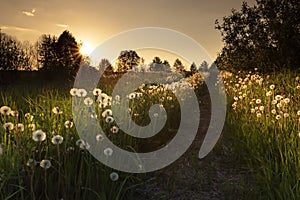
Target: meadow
pixel 42 156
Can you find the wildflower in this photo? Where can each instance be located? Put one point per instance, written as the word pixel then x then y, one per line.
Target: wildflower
pixel 114 129
pixel 286 100
pixel 108 151
pixel 107 112
pixel 109 119
pixel 252 110
pixel 278 97
pixel 57 111
pixel 73 91
pixel 286 115
pixel 131 95
pixel 97 92
pixel 5 110
pixel 273 111
pixel 258 101
pixel 46 164
pixel 102 97
pixel 99 137
pixel 258 115
pixel 88 101
pixel 274 102
pixel 269 93
pixel 39 136
pixel 29 117
pixel 278 117
pixel 298 112
pixel 19 127
pixel 139 95
pixel 81 93
pixel 14 113
pixel 114 176
pixel 57 139
pixel 272 87
pixel 117 98
pixel 68 124
pixel 31 127
pixel 298 87
pixel 261 108
pixel 279 105
pixel 8 126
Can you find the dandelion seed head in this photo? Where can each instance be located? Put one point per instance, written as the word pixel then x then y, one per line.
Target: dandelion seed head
pixel 88 101
pixel 38 136
pixel 73 92
pixel 107 112
pixel 99 137
pixel 56 110
pixel 109 119
pixel 81 92
pixel 5 110
pixel 114 176
pixel 97 92
pixel 68 124
pixel 57 139
pixel 114 129
pixel 8 126
pixel 108 151
pixel 46 164
pixel 19 127
pixel 272 87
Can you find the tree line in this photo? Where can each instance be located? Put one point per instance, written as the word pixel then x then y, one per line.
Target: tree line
pixel 61 55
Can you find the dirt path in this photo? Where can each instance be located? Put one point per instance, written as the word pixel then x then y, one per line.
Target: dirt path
pixel 191 178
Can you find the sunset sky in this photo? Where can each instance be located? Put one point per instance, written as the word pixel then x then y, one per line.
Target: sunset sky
pixel 93 21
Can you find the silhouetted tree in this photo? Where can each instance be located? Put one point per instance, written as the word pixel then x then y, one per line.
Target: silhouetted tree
pixel 127 60
pixel 12 54
pixel 265 35
pixel 203 66
pixel 178 66
pixel 106 67
pixel 68 52
pixel 47 54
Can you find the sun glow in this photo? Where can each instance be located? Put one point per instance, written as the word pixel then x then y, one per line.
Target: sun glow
pixel 86 48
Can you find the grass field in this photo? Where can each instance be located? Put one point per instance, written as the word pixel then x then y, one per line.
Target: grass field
pixel 42 156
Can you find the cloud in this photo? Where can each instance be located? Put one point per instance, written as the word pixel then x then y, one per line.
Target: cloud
pixel 29 13
pixel 16 28
pixel 62 25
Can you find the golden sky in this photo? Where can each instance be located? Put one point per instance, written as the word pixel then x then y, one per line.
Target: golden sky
pixel 94 21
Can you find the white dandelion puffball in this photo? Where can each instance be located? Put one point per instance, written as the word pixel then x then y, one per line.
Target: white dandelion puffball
pixel 68 124
pixel 258 101
pixel 107 112
pixel 88 101
pixel 114 176
pixel 46 164
pixel 99 137
pixel 73 92
pixel 114 129
pixel 57 139
pixel 109 119
pixel 5 110
pixel 81 93
pixel 108 151
pixel 31 127
pixel 57 111
pixel 272 87
pixel 97 92
pixel 8 126
pixel 38 136
pixel 19 127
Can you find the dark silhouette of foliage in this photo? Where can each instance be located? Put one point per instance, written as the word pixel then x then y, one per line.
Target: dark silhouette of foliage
pixel 127 60
pixel 178 66
pixel 13 54
pixel 105 67
pixel 60 54
pixel 266 35
pixel 158 65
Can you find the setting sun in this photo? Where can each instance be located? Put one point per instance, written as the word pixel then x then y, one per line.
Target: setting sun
pixel 86 48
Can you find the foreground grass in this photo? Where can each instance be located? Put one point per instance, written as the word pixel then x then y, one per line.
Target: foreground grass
pixel 264 119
